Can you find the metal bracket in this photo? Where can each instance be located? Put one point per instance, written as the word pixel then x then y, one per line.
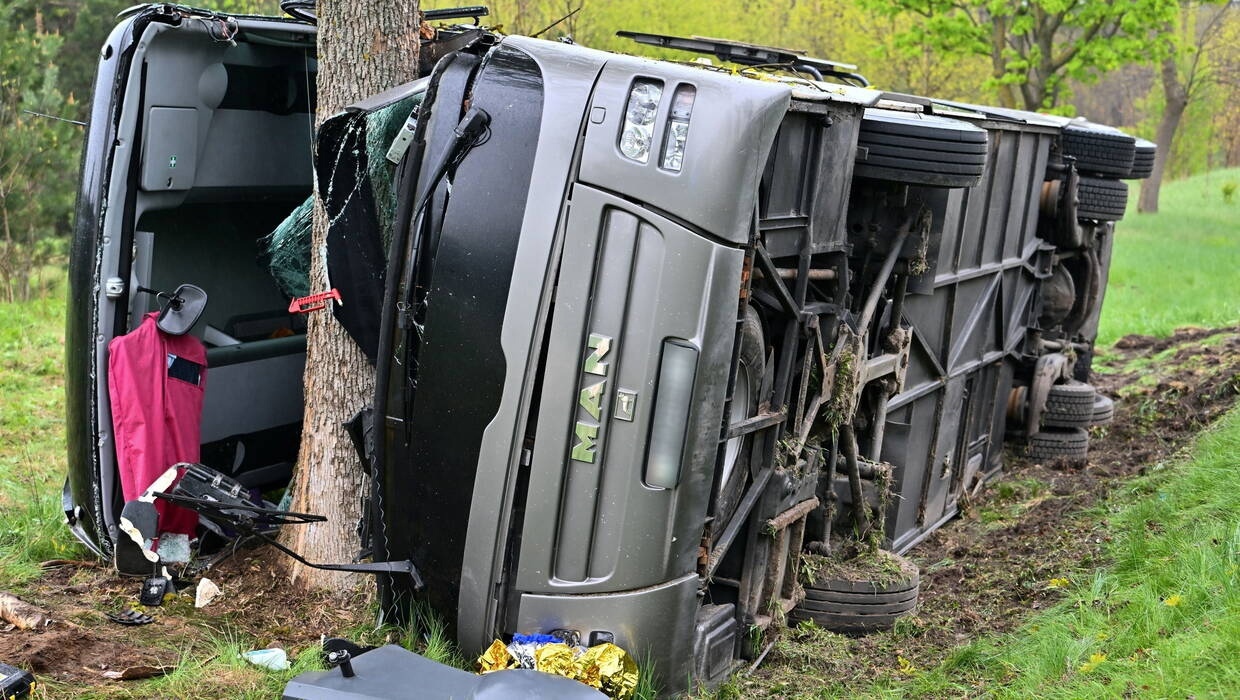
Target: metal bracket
pixel 1049 369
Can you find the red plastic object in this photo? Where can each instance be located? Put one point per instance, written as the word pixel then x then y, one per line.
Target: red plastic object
pixel 314 302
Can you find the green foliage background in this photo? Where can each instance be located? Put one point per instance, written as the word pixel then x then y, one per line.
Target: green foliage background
pixel 947 48
pixel 48 54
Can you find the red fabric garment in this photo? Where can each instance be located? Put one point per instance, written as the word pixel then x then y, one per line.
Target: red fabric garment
pixel 156 411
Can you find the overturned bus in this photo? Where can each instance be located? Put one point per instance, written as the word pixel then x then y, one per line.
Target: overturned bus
pixel 646 333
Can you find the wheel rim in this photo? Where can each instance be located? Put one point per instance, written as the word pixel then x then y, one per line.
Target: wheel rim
pixel 741 409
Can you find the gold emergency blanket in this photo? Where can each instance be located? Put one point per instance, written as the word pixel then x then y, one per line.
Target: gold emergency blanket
pixel 609 669
pixel 604 666
pixel 496 658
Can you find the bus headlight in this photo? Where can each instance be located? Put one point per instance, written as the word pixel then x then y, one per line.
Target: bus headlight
pixel 638 131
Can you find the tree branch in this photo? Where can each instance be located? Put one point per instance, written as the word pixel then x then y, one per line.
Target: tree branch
pixel 1074 48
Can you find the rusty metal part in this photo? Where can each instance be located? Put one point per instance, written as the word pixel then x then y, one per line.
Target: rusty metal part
pixel 755 423
pixel 787 531
pixel 1058 210
pixel 1017 399
pixel 1048 204
pixel 821 274
pixel 791 515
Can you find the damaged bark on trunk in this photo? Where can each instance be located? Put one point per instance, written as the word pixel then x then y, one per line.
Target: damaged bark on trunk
pixel 364 47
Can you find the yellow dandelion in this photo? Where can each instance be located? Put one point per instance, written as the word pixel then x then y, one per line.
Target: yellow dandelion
pixel 1057 583
pixel 1173 600
pixel 1095 660
pixel 906 667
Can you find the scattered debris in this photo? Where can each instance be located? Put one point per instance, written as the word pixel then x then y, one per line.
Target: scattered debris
pixel 131 617
pixel 270 659
pixel 137 673
pixel 207 593
pixel 15 683
pixel 18 612
pixel 154 589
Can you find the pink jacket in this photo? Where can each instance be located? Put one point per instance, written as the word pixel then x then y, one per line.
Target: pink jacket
pixel 156 383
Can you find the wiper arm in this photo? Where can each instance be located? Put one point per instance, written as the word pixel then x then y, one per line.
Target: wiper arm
pixel 468 133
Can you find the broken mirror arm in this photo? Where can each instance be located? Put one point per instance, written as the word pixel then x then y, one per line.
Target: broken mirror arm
pixel 179 310
pixel 219 499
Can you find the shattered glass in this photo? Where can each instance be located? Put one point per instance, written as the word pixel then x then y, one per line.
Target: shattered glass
pixel 358 188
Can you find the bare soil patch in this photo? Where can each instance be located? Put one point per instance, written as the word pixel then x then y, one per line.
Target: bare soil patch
pixel 81 644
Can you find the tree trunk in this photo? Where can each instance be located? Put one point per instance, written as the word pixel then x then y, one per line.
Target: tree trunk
pixel 998 63
pixel 1176 97
pixel 364 47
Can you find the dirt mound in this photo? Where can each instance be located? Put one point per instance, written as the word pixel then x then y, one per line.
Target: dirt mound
pixel 74 654
pixel 259 600
pixel 1166 390
pixel 82 643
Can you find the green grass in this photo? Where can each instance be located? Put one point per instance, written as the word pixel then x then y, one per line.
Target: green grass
pixel 212 668
pixel 1012 499
pixel 1162 621
pixel 1178 267
pixel 32 443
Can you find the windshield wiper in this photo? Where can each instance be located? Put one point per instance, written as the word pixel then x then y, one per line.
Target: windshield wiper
pixel 411 311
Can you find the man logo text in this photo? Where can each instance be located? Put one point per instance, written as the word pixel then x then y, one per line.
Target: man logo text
pixel 590 398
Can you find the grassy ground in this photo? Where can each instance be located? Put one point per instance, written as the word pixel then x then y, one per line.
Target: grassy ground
pixel 1178 267
pixel 1162 621
pixel 32 446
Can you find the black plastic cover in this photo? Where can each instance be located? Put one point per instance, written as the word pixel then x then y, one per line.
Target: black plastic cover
pixel 15 683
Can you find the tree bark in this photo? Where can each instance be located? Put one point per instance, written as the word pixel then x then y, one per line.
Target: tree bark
pixel 1176 97
pixel 998 64
pixel 1181 85
pixel 364 47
